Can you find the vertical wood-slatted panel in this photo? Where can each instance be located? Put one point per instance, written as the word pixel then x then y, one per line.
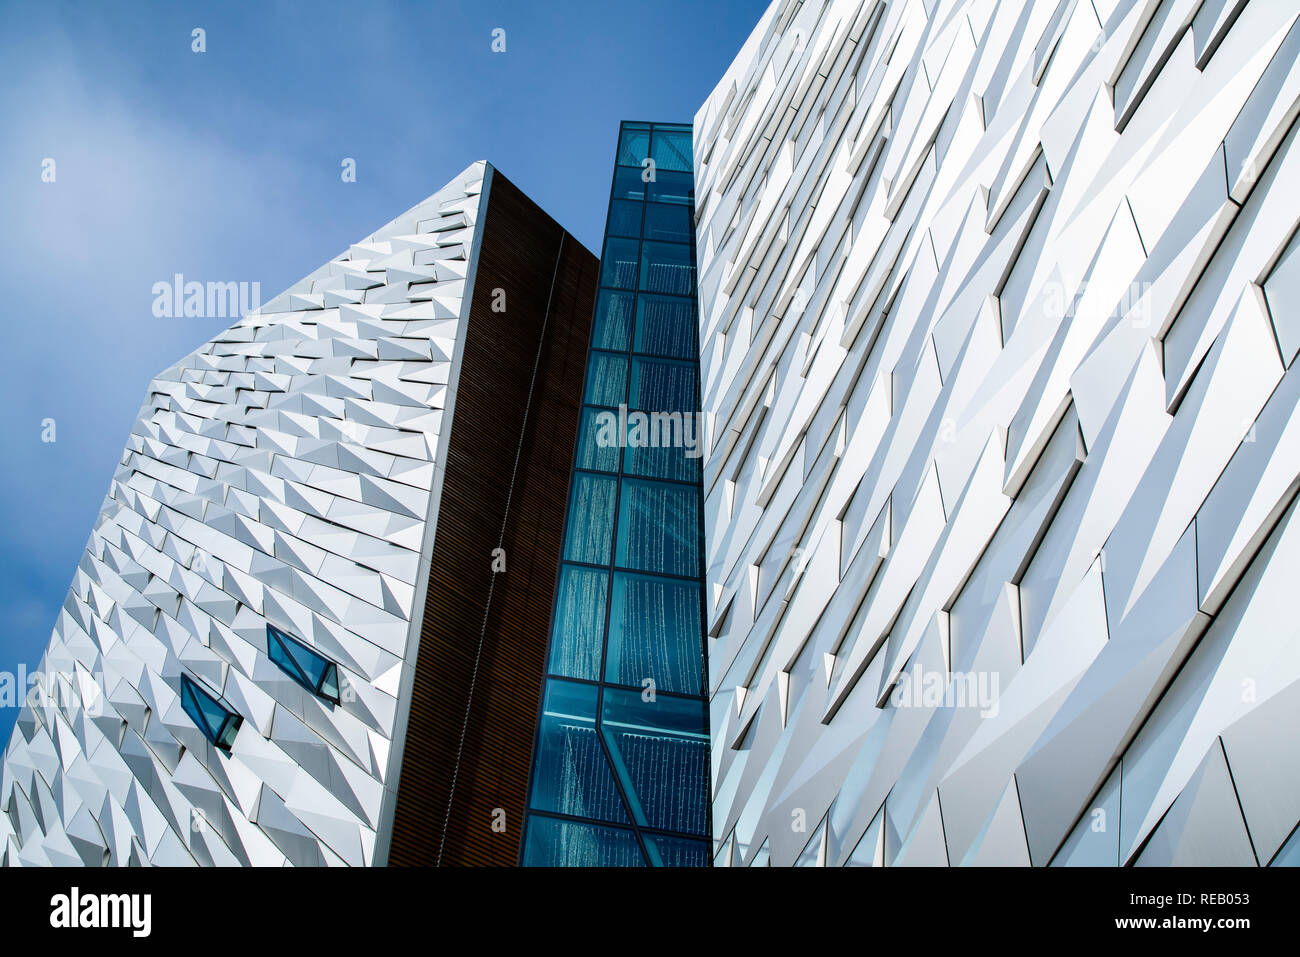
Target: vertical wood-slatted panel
pixel 518 254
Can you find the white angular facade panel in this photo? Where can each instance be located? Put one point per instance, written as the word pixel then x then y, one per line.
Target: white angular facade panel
pixel 287 472
pixel 998 340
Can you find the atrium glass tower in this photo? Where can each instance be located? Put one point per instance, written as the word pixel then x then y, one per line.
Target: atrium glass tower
pixel 621 761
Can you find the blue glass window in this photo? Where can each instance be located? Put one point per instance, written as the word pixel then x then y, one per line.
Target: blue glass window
pixel 625 218
pixel 654 632
pixel 668 462
pixel 660 750
pixel 663 385
pixel 591 519
pixel 553 843
pixel 617 781
pixel 658 528
pixel 598 442
pixel 670 187
pixel 613 325
pixel 628 183
pixel 571 774
pixel 676 851
pixel 606 379
pixel 665 326
pixel 217 722
pixel 666 267
pixel 579 626
pixel 668 223
pixel 618 265
pixel 633 145
pixel 309 668
pixel 672 150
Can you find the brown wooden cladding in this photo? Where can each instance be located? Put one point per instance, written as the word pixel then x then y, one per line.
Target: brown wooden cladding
pixel 518 254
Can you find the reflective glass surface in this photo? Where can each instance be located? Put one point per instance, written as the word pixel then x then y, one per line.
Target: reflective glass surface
pixel 665 326
pixel 570 773
pixel 654 632
pixel 633 144
pixel 579 621
pixel 591 524
pixel 553 843
pixel 676 852
pixel 663 385
pixel 660 750
pixel 658 529
pixel 612 328
pixel 625 218
pixel 667 223
pixel 670 187
pixel 621 761
pixel 598 447
pixel 667 268
pixel 671 150
pixel 217 722
pixel 606 379
pixel 310 669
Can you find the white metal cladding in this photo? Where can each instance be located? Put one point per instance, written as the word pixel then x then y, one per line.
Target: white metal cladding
pixel 286 472
pixel 1000 308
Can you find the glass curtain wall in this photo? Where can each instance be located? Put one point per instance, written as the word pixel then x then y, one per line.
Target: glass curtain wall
pixel 621 759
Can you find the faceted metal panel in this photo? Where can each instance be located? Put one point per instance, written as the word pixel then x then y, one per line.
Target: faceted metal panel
pixel 998 345
pixel 287 472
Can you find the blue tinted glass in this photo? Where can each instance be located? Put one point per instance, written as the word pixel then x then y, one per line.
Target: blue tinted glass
pixel 218 723
pixel 666 267
pixel 552 843
pixel 665 326
pixel 625 218
pixel 571 775
pixel 313 666
pixel 668 462
pixel 591 519
pixel 618 264
pixel 676 851
pixel 670 187
pixel 579 622
pixel 279 655
pixel 671 150
pixel 633 146
pixel 606 379
pixel 658 528
pixel 613 325
pixel 226 736
pixel 667 222
pixel 313 671
pixel 660 751
pixel 329 685
pixel 655 632
pixel 663 385
pixel 607 764
pixel 598 444
pixel 628 183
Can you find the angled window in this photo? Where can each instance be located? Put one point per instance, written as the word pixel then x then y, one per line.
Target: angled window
pixel 310 669
pixel 217 722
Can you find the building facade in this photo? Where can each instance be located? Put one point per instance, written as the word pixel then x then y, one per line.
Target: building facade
pixel 621 764
pixel 912 481
pixel 998 328
pixel 267 656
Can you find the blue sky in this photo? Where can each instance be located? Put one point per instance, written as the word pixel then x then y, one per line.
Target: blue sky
pixel 225 166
